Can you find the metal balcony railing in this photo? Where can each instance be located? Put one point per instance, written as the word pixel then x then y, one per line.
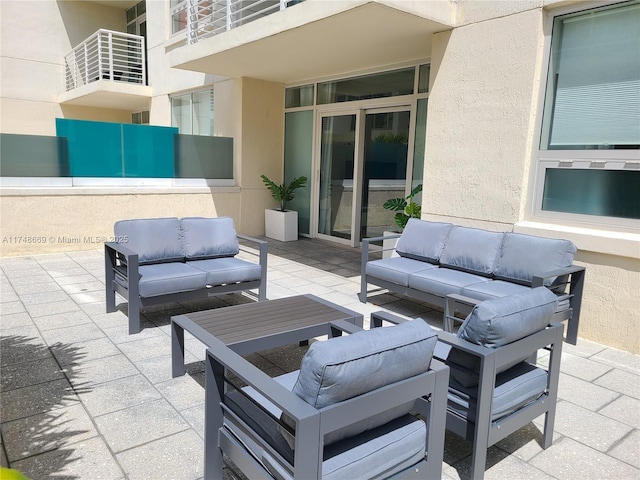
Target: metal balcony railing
pixel 106 55
pixel 204 18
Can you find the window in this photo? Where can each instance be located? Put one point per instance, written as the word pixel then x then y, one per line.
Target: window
pixel 589 157
pixel 140 118
pixel 193 113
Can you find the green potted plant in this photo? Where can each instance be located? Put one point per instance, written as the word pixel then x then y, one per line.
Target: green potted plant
pixel 405 207
pixel 282 224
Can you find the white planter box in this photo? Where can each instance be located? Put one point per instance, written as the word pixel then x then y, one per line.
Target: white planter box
pixel 281 226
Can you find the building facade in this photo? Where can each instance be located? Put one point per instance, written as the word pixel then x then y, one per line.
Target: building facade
pixel 516 115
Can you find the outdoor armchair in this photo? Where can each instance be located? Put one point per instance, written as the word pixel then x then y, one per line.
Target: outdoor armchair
pixel 495 385
pixel 344 414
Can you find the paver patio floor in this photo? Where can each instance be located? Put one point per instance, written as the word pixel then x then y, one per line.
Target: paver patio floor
pixel 82 399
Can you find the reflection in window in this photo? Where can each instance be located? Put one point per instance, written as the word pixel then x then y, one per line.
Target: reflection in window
pixel 608 193
pixel 379 85
pixel 593 86
pixel 193 113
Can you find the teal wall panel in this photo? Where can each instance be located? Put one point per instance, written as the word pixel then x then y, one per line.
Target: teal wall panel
pixel 103 149
pixel 148 151
pixel 95 148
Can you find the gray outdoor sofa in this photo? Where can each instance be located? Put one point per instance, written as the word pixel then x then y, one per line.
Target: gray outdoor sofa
pixel 435 260
pixel 166 260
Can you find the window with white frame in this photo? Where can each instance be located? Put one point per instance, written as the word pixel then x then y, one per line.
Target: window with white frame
pixel 589 157
pixel 193 113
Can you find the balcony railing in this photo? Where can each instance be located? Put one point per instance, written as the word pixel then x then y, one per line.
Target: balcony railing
pixel 204 18
pixel 106 55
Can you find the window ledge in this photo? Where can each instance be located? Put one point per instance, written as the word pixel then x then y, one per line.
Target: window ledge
pixel 623 244
pixel 113 190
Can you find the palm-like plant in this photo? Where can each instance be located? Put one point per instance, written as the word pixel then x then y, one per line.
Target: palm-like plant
pixel 405 207
pixel 283 192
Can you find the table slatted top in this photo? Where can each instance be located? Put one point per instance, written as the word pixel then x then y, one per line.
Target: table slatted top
pixel 240 323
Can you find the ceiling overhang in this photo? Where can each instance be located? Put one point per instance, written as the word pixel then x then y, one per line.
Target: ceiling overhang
pixel 300 47
pixel 109 94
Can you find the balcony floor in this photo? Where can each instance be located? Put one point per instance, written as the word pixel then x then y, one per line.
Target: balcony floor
pixel 80 398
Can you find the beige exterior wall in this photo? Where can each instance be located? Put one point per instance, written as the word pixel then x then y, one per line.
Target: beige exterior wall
pixel 82 219
pixel 33 45
pixel 260 146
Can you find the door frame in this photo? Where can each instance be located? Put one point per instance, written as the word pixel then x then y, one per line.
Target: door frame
pixel 360 109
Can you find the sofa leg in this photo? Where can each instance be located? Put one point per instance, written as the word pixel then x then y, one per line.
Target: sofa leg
pixel 110 300
pixel 134 318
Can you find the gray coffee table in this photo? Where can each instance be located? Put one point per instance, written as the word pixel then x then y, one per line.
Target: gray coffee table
pixel 258 326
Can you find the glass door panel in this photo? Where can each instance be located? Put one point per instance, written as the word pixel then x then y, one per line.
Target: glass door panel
pixel 386 142
pixel 337 157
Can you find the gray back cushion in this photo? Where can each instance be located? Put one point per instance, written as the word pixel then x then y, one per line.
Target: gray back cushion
pixel 209 237
pixel 499 321
pixel 472 250
pixel 344 367
pixel 423 240
pixel 524 256
pixel 155 240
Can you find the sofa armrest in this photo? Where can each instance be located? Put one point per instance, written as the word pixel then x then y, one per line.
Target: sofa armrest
pixel 381 316
pixel 576 287
pixel 262 255
pixel 538 280
pixel 494 358
pixel 457 303
pixel 115 255
pixel 121 249
pixel 366 251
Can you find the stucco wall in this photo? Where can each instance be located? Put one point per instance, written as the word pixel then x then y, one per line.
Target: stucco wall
pixel 260 147
pixel 66 221
pixel 479 120
pixel 33 45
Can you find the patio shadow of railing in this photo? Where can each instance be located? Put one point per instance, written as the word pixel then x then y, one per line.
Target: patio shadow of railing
pixel 38 430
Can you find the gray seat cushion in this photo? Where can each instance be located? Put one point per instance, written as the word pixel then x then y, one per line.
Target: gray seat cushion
pixel 209 237
pixel 154 239
pixel 493 289
pixel 524 256
pixel 166 278
pixel 423 240
pixel 515 388
pixel 396 270
pixel 472 250
pixel 443 281
pixel 220 271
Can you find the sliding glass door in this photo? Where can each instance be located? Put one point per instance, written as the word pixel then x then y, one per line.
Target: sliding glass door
pixel 337 160
pixel 363 162
pixel 386 144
